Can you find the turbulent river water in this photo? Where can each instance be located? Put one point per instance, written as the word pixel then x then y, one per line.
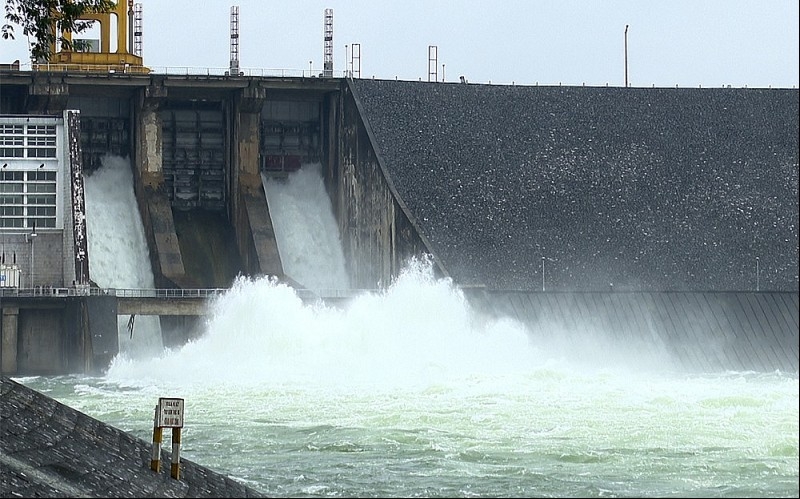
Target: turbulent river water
pixel 409 392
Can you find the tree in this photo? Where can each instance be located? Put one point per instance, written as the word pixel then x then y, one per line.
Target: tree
pixel 45 21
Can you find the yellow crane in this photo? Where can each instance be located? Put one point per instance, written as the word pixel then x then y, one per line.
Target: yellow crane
pixel 123 56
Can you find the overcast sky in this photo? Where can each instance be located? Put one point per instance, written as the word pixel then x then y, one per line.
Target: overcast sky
pixel 689 43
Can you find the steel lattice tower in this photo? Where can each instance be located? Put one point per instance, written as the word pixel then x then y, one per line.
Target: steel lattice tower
pixel 234 68
pixel 137 29
pixel 433 62
pixel 328 59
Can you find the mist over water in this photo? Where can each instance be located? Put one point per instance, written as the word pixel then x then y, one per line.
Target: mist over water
pixel 409 391
pixel 418 332
pixel 118 253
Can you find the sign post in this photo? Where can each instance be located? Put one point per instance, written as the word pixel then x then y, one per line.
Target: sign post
pixel 168 414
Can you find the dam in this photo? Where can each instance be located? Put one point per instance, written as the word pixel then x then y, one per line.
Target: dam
pixel 531 291
pixel 668 214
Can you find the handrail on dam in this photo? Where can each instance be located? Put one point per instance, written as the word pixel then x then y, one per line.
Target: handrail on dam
pixel 196 71
pixel 158 293
pixel 166 293
pixel 49 291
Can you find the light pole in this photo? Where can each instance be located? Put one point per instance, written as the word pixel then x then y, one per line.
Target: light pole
pixel 32 239
pixel 542 274
pixel 626 55
pixel 757 275
pixel 310 69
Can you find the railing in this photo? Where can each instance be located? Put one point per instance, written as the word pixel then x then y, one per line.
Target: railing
pixel 56 67
pixel 45 291
pixel 73 68
pixel 61 292
pixel 158 293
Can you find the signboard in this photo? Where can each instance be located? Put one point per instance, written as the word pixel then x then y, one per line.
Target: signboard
pixel 9 276
pixel 169 413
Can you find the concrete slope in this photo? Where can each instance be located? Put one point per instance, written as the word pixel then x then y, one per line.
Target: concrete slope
pixel 48 449
pixel 264 255
pixel 686 331
pixel 633 189
pixel 205 237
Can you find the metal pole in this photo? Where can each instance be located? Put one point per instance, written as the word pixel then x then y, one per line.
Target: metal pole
pixel 175 465
pixel 757 276
pixel 129 27
pixel 626 55
pixel 543 274
pixel 155 453
pixel 33 239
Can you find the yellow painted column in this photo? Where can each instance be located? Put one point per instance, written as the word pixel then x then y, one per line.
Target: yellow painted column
pixel 155 455
pixel 175 468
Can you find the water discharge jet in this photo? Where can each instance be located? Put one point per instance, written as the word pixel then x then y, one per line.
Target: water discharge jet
pixel 117 244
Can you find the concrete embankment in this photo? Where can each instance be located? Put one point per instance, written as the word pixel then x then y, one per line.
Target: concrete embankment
pixel 48 449
pixel 694 332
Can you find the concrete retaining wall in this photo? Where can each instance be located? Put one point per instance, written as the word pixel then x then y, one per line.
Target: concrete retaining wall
pixel 40 341
pixel 103 329
pixel 377 234
pixel 697 332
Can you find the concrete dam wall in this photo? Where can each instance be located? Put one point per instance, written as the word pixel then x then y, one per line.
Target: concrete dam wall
pixel 678 331
pixel 541 202
pixel 607 216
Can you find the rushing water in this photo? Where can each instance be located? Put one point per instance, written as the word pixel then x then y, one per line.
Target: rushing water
pixel 305 229
pixel 118 254
pixel 410 392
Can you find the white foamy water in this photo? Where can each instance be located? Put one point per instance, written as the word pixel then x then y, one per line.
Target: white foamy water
pixel 305 229
pixel 118 253
pixel 409 392
pixel 419 332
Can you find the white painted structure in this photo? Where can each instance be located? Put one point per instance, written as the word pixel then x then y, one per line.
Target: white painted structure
pixel 31 150
pixel 35 201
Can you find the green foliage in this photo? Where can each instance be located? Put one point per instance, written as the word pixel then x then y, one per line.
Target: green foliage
pixel 44 21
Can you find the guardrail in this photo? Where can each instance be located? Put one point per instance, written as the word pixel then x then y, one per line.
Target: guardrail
pixel 63 292
pixel 158 293
pixel 49 291
pixel 56 67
